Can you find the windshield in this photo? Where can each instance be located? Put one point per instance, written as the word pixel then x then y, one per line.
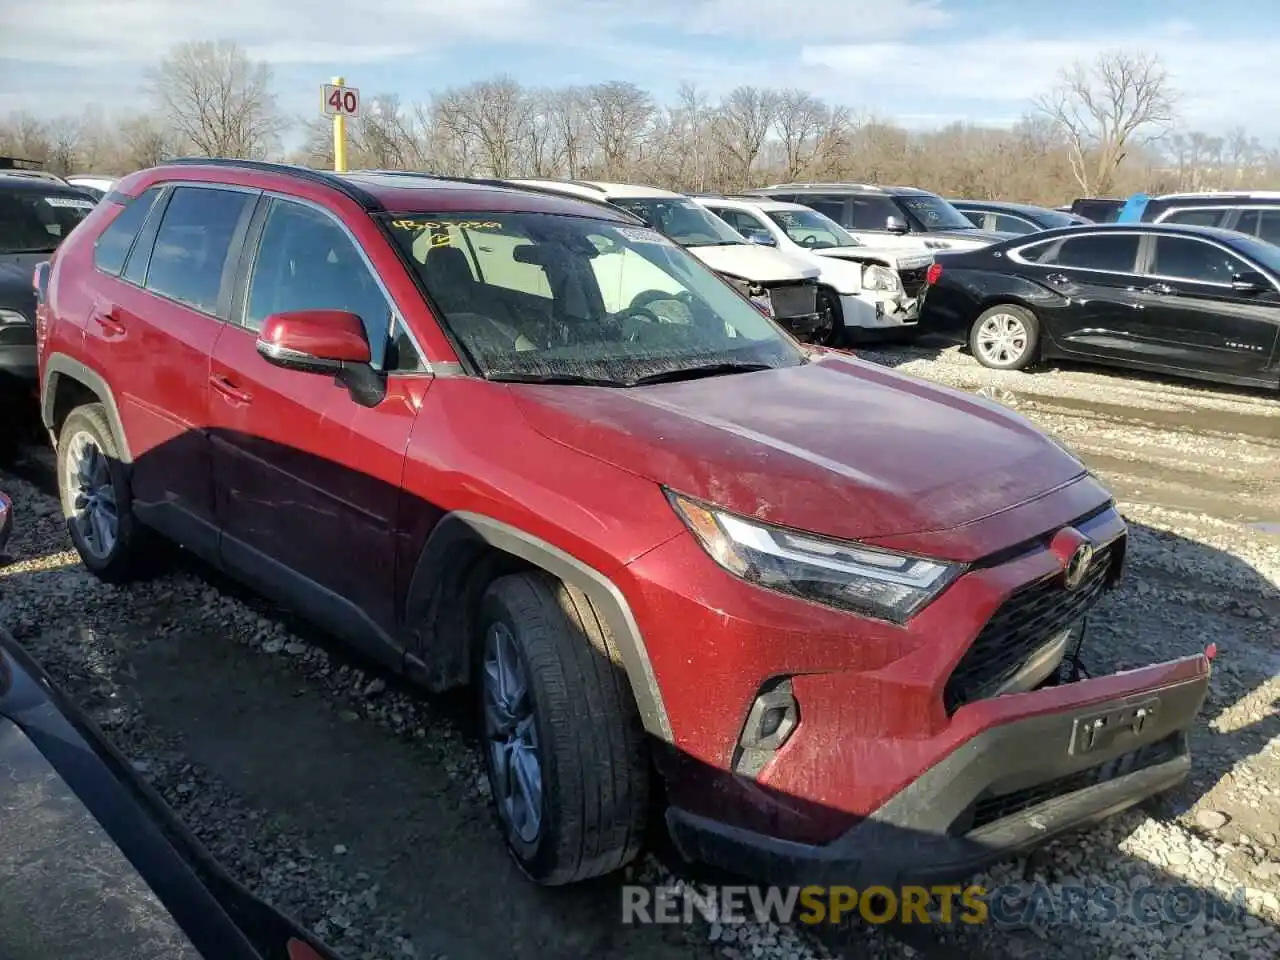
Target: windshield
pixel 812 229
pixel 682 220
pixel 934 213
pixel 545 297
pixel 35 220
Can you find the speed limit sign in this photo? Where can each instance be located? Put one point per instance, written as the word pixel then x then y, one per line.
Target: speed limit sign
pixel 340 101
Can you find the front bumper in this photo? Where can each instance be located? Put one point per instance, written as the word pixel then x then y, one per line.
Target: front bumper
pixel 886 311
pixel 18 352
pixel 1039 764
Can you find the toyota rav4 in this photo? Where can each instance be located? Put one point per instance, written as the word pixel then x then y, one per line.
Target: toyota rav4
pixel 826 602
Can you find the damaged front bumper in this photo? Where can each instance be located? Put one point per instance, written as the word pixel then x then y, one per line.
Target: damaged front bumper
pixel 884 311
pixel 1036 764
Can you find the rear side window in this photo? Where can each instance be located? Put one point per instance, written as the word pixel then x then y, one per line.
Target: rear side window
pixel 192 245
pixel 1116 253
pixel 1263 224
pixel 1197 218
pixel 112 248
pixel 1008 224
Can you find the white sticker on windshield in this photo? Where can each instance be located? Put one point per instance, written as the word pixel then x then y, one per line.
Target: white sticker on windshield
pixel 642 235
pixel 75 202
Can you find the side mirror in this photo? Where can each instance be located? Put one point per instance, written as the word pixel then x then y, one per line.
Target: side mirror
pixel 896 225
pixel 314 341
pixel 40 280
pixel 1251 281
pixel 761 237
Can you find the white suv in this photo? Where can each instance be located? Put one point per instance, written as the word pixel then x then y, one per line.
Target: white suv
pixel 783 286
pixel 867 290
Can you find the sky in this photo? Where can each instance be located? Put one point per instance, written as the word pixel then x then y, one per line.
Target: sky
pixel 922 63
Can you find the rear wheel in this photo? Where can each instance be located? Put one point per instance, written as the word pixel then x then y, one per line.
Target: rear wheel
pixel 564 747
pixel 1005 337
pixel 93 484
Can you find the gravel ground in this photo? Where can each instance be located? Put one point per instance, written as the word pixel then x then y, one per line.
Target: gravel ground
pixel 361 810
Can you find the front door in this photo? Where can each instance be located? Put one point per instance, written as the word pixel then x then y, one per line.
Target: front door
pixel 1196 320
pixel 308 481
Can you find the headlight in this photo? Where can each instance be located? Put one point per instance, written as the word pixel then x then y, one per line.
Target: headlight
pixel 876 583
pixel 8 317
pixel 877 277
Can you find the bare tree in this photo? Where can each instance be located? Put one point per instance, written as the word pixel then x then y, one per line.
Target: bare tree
pixel 490 120
pixel 741 127
pixel 619 115
pixel 1105 109
pixel 566 112
pixel 218 99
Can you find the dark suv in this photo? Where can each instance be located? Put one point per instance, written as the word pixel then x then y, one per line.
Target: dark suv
pixel 888 216
pixel 1256 213
pixel 826 602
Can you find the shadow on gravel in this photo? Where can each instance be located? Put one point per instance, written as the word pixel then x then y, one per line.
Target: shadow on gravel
pixel 424 834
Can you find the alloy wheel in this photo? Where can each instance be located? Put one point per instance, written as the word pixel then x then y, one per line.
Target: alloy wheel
pixel 91 495
pixel 1002 339
pixel 511 734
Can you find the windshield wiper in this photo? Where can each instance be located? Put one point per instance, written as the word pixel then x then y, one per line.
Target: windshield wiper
pixel 694 373
pixel 560 378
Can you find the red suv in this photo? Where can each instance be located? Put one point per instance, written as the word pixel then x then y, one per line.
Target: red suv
pixel 827 603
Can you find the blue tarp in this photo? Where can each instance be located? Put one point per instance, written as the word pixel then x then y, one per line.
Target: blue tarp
pixel 1131 212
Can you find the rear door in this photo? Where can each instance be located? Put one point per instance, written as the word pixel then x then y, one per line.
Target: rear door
pixel 157 324
pixel 1195 320
pixel 307 479
pixel 1096 273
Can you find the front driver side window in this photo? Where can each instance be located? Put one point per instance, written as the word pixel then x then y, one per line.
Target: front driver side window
pixel 1182 258
pixel 306 261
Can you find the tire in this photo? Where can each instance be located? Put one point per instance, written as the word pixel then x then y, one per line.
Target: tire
pixel 127 555
pixel 1005 337
pixel 593 764
pixel 833 336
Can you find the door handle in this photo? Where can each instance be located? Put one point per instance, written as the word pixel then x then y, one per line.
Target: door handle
pixel 1058 278
pixel 105 316
pixel 1161 290
pixel 230 390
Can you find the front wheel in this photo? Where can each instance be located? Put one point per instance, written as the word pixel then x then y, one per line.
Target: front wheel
pixel 830 332
pixel 564 747
pixel 1005 337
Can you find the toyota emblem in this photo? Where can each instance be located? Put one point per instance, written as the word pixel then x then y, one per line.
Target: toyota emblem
pixel 1078 566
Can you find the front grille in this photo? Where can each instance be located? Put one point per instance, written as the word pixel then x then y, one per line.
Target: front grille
pixel 988 809
pixel 913 280
pixel 1023 624
pixel 793 299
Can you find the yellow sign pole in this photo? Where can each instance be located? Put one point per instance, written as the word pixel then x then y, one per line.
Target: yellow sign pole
pixel 339 135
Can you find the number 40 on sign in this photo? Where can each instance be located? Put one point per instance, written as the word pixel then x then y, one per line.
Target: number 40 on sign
pixel 340 101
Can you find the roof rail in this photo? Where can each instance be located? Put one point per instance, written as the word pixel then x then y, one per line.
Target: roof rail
pixel 309 174
pixel 836 184
pixel 513 184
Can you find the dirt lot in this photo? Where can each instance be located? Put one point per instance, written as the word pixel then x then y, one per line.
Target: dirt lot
pixel 362 811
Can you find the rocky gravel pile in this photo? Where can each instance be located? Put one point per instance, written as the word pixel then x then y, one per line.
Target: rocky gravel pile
pixel 1193 577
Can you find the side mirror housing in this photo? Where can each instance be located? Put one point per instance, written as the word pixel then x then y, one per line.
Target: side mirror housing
pixel 314 341
pixel 1250 281
pixel 896 225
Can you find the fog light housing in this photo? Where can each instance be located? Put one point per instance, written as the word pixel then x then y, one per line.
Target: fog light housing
pixel 772 719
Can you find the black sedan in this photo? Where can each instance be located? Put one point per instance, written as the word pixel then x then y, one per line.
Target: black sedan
pixel 1019 218
pixel 1193 301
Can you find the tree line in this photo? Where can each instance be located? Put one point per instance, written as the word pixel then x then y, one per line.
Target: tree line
pixel 1108 127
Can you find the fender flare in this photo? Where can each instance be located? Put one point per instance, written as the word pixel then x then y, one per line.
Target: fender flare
pixel 60 365
pixel 459 529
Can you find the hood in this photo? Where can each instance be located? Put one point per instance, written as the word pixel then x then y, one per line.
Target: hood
pixel 16 292
pixel 969 238
pixel 898 258
pixel 837 446
pixel 754 263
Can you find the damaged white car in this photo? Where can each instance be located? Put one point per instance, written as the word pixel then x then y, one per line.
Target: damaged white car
pixel 868 291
